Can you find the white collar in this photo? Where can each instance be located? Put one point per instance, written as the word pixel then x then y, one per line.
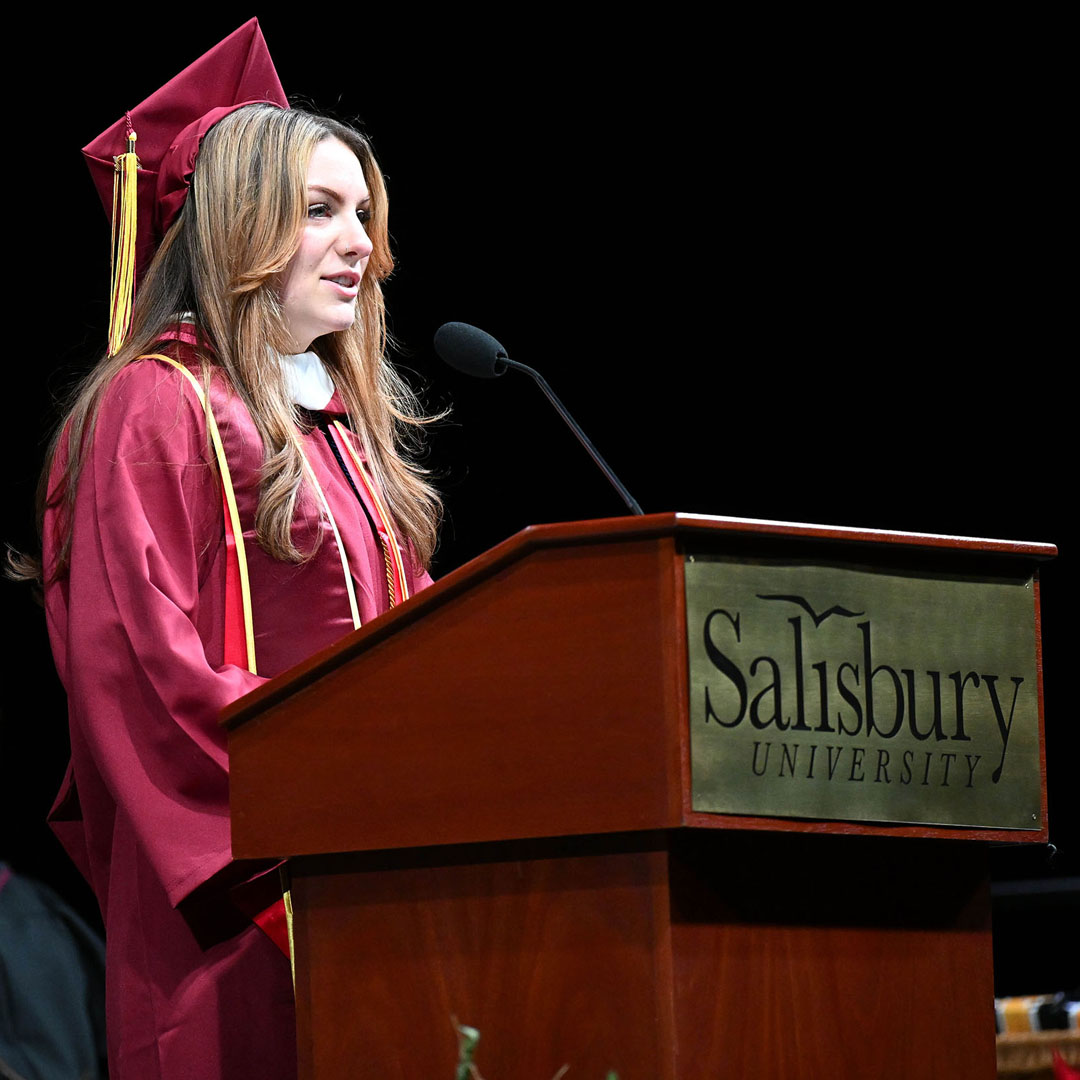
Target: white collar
pixel 310 385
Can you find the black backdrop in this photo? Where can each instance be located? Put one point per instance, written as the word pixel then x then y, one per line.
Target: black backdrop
pixel 789 270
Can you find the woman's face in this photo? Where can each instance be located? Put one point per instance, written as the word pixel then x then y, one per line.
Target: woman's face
pixel 320 283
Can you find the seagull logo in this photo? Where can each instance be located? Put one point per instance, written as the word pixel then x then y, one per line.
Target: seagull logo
pixel 836 609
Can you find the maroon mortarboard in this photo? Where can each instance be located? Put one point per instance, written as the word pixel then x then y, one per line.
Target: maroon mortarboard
pixel 169 126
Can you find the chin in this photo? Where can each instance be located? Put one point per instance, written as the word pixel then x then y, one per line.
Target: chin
pixel 341 324
pixel 326 323
pixel 327 331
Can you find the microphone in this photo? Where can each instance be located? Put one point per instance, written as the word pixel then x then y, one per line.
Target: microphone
pixel 472 352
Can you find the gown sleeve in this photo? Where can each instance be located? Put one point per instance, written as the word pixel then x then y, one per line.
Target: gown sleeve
pixel 137 628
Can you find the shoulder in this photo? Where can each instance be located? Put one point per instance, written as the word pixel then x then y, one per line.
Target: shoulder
pixel 166 369
pixel 151 401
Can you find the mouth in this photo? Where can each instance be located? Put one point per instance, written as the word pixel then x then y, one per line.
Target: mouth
pixel 347 280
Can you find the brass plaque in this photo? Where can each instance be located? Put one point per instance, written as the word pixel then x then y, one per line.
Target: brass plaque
pixel 853 693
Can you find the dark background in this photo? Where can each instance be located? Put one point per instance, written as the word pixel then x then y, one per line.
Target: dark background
pixel 794 270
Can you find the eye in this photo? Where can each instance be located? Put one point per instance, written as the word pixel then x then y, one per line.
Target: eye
pixel 318 210
pixel 364 216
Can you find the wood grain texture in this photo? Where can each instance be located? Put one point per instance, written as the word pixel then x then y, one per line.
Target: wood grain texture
pixel 696 820
pixel 554 956
pixel 829 957
pixel 675 956
pixel 544 701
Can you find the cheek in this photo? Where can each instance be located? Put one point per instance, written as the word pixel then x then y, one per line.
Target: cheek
pixel 298 275
pixel 305 259
pixel 288 277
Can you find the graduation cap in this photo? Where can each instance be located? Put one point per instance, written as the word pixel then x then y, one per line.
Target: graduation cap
pixel 142 165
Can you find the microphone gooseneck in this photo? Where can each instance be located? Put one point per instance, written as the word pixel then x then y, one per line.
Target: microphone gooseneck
pixel 474 352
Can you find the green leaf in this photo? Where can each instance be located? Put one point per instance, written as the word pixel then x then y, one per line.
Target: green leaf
pixel 468 1037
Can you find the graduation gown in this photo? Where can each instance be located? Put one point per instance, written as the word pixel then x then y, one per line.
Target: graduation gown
pixel 136 625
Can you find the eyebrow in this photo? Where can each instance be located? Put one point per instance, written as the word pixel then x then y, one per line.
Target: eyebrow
pixel 366 200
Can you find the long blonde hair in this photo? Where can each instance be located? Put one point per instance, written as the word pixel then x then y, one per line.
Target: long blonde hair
pixel 237 231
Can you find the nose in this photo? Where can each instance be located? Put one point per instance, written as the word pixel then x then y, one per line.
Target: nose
pixel 355 241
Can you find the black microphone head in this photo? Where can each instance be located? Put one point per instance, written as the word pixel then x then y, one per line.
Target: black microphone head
pixel 470 350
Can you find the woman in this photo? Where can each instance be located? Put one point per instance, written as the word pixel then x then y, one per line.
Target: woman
pixel 180 574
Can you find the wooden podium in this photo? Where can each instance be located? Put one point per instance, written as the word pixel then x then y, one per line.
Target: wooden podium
pixel 485 798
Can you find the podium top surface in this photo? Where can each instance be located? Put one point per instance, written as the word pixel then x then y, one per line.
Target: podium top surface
pixel 708 523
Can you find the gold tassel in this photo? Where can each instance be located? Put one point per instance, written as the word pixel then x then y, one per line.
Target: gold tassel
pixel 124 225
pixel 286 893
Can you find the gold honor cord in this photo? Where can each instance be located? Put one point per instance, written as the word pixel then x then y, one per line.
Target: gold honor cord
pixel 230 503
pixel 122 238
pixel 395 564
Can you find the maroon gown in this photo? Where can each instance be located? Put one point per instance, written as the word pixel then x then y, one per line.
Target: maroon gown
pixel 193 991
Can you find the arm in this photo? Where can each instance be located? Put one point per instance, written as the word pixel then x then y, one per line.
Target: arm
pixel 137 630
